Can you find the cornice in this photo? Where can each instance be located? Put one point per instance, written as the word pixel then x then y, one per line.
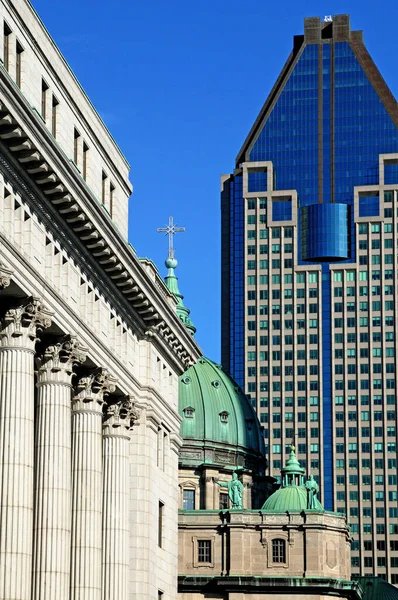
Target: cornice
pixel 45 59
pixel 85 228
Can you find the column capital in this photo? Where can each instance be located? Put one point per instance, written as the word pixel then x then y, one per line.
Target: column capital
pixel 58 359
pixel 5 276
pixel 21 324
pixel 120 416
pixel 91 389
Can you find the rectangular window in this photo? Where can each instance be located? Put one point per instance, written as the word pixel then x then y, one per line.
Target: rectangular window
pixel 188 502
pixel 85 155
pixel 6 47
pixel 278 551
pixel 18 72
pixel 224 501
pixel 104 186
pixel 54 116
pixel 44 90
pixel 160 524
pixel 204 551
pixel 76 147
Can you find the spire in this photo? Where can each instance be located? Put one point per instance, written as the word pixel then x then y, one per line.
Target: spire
pixel 172 285
pixel 292 473
pixel 171 280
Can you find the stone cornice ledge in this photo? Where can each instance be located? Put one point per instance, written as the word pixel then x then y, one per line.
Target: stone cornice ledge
pixel 251 583
pixel 46 165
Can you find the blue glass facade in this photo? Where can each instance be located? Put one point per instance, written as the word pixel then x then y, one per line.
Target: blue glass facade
pixel 237 287
pixel 257 181
pixel 282 210
pixel 324 134
pixel 369 206
pixel 324 232
pixel 289 138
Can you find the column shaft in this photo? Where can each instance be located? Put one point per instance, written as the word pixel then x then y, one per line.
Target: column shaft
pixel 86 545
pixel 51 553
pixel 18 330
pixel 16 472
pixel 52 519
pixel 118 420
pixel 86 505
pixel 115 521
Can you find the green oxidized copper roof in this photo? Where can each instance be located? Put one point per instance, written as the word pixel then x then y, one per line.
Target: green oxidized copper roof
pixel 215 409
pixel 172 285
pixel 292 495
pixel 377 589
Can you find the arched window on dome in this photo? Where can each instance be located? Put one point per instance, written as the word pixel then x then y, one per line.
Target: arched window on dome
pixel 224 416
pixel 224 432
pixel 189 415
pixel 249 425
pixel 279 551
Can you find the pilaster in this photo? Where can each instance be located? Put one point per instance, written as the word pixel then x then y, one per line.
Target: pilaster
pixel 52 518
pixel 86 542
pixel 19 329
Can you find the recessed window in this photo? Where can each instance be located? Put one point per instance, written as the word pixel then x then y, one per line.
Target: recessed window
pixel 224 417
pixel 204 551
pixel 44 90
pixel 18 67
pixel 160 524
pixel 189 412
pixel 85 157
pixel 188 501
pixel 224 501
pixel 104 182
pixel 111 198
pixel 54 115
pixel 279 551
pixel 6 47
pixel 76 147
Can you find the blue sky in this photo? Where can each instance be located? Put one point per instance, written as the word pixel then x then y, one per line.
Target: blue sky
pixel 179 84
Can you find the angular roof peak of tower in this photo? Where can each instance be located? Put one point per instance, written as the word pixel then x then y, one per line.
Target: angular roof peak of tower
pixel 335 29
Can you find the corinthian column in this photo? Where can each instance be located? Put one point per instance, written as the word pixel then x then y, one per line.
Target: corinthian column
pixel 118 421
pixel 86 560
pixel 52 518
pixel 18 333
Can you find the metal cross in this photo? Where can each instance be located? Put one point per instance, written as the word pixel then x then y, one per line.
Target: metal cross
pixel 171 229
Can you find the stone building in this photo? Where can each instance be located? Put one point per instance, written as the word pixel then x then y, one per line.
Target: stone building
pixel 240 535
pixel 90 345
pixel 234 545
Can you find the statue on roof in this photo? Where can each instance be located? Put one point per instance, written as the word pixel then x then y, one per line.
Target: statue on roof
pixel 235 490
pixel 312 490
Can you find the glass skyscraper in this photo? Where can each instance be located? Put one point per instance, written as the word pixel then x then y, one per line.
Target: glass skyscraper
pixel 310 280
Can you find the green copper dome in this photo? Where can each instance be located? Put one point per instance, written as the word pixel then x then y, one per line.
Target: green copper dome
pixel 294 494
pixel 376 588
pixel 292 499
pixel 219 424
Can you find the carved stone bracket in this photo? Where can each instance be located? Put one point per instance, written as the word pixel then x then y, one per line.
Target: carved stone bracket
pixel 291 537
pixel 5 276
pixel 263 538
pixel 21 325
pixel 92 388
pixel 61 357
pixel 120 416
